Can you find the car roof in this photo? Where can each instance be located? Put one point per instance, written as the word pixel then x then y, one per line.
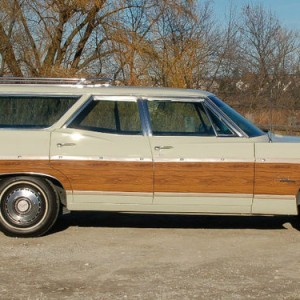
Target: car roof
pixel 41 89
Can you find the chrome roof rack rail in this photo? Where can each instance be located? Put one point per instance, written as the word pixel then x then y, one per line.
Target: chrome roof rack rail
pixel 57 81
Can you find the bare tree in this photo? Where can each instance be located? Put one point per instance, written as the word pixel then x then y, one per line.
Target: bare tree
pixel 7 35
pixel 268 51
pixel 153 42
pixel 132 41
pixel 184 43
pixel 49 37
pixel 73 37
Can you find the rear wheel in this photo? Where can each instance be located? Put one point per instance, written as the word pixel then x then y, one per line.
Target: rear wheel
pixel 28 206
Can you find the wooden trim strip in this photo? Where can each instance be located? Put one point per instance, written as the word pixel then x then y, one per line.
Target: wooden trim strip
pixel 34 168
pixel 277 179
pixel 107 176
pixel 230 178
pixel 192 177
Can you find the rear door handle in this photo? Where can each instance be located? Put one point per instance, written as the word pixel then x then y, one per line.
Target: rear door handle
pixel 59 145
pixel 158 148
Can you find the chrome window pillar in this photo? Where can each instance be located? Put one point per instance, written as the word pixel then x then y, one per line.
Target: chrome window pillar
pixel 228 122
pixel 145 118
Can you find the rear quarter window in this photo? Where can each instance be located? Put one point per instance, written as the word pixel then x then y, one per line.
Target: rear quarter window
pixel 33 111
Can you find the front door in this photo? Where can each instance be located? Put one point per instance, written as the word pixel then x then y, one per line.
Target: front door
pixel 104 155
pixel 200 165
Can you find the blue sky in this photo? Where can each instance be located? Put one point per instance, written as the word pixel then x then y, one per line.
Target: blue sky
pixel 287 11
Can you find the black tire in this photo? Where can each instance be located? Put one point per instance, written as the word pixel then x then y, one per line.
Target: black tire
pixel 29 206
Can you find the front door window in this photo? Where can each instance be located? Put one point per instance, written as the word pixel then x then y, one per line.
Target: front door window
pixel 170 118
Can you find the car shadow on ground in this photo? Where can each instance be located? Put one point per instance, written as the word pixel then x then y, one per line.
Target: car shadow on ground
pixel 139 220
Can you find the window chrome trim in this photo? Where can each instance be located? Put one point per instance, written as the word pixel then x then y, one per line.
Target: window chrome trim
pixel 77 112
pixel 209 118
pixel 236 133
pixel 115 98
pixel 228 122
pixel 176 99
pixel 27 129
pixel 206 108
pixel 145 118
pixel 144 130
pixel 39 94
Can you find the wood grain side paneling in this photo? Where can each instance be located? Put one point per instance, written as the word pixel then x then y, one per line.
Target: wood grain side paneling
pixel 33 166
pixel 170 177
pixel 204 177
pixel 109 176
pixel 277 179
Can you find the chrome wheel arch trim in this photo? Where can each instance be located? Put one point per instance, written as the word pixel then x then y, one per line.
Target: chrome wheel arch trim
pixel 51 179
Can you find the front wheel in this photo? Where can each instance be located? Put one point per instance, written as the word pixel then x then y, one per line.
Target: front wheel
pixel 28 206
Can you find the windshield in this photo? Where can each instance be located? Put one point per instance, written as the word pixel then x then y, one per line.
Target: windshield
pixel 249 128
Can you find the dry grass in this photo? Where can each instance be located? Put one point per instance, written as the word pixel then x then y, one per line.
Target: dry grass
pixel 285 121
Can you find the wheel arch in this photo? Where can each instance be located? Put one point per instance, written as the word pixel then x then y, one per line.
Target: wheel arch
pixel 298 202
pixel 54 182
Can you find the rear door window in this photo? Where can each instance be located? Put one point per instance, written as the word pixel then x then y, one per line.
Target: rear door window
pixel 115 117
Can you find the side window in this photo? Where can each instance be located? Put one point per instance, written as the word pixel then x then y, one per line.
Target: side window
pixel 220 127
pixel 179 118
pixel 118 117
pixel 32 111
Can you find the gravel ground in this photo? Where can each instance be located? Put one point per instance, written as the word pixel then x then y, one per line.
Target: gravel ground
pixel 139 256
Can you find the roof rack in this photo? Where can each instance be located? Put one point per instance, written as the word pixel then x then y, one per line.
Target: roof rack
pixel 57 81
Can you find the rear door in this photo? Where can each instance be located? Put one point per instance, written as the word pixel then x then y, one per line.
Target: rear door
pixel 104 154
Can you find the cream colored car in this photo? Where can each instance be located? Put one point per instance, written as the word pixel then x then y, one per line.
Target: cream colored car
pixel 89 146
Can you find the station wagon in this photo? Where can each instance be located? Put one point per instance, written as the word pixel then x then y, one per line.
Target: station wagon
pixel 85 145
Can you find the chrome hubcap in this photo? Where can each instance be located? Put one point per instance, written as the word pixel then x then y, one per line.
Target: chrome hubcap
pixel 23 205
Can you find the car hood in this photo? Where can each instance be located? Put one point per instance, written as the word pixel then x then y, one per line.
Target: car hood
pixel 277 138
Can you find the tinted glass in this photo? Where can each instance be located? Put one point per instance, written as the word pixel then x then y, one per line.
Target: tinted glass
pixel 110 117
pixel 250 129
pixel 32 112
pixel 179 118
pixel 220 127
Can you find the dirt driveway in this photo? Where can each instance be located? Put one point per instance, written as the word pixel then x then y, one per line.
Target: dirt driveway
pixel 138 256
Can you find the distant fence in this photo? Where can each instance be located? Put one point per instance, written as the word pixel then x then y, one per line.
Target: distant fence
pixel 285 129
pixel 278 119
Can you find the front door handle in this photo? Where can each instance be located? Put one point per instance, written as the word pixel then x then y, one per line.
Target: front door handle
pixel 59 145
pixel 158 148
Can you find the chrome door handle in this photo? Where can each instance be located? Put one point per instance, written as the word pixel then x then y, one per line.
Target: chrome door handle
pixel 59 145
pixel 158 148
